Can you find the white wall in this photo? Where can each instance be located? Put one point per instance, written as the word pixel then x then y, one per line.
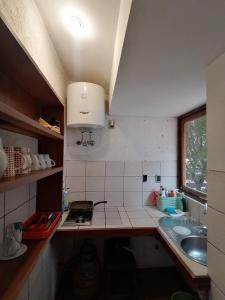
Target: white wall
pixel 124 12
pixel 24 21
pixel 216 176
pixel 133 138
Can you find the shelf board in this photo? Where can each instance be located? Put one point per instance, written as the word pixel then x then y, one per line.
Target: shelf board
pixel 13 273
pixel 12 182
pixel 14 120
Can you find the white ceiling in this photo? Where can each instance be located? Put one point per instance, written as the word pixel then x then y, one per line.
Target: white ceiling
pixel 85 59
pixel 167 46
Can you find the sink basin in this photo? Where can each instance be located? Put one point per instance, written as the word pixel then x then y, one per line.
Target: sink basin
pixel 195 247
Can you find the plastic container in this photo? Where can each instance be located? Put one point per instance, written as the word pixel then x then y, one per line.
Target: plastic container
pixel 39 232
pixel 172 202
pixel 183 296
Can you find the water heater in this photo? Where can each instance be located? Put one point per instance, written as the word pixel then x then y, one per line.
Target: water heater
pixel 85 105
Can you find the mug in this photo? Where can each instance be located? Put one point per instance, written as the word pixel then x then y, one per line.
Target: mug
pixel 49 162
pixel 35 165
pixel 20 154
pixel 11 169
pixel 42 161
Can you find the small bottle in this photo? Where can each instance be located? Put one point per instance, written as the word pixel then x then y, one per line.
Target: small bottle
pixel 171 193
pixel 163 193
pixel 184 203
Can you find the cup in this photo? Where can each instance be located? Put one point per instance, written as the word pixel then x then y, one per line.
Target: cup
pixel 13 167
pixel 49 162
pixel 42 161
pixel 12 239
pixel 21 153
pixel 3 159
pixel 35 165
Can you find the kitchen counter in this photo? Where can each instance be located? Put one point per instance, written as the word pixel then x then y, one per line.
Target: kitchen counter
pixel 133 221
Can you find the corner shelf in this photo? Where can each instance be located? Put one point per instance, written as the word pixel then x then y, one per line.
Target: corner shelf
pixel 12 182
pixel 19 122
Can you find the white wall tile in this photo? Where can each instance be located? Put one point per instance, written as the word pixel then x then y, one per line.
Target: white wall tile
pixel 114 184
pixel 138 214
pixel 151 168
pixel 75 184
pixel 151 185
pixel 216 266
pixel 32 206
pixel 216 190
pixel 114 168
pixel 133 168
pixel 132 184
pixel 142 222
pixel 114 199
pixel 95 168
pixel 2 209
pixel 215 293
pixel 113 221
pixel 216 228
pixel 1 229
pixel 74 168
pixel 76 196
pixel 24 293
pixel 193 209
pixel 19 215
pixel 95 196
pixel 145 198
pixel 16 197
pixel 95 184
pixel 169 182
pixel 133 199
pixel 33 189
pixel 169 168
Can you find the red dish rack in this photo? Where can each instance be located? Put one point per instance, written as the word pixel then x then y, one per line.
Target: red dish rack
pixel 32 231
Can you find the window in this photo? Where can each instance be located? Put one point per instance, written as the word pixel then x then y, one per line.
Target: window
pixel 192 156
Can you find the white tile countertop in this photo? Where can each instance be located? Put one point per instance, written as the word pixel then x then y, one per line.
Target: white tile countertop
pixel 134 218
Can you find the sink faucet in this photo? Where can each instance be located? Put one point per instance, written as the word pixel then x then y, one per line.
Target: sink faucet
pixel 205 209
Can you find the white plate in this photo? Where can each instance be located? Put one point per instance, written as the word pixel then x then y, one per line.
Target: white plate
pixel 182 230
pixel 20 252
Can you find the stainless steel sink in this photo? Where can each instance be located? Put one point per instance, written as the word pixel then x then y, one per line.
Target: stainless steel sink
pixel 189 236
pixel 196 248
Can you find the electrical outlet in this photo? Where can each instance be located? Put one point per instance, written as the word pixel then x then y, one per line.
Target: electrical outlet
pixel 157 178
pixel 144 178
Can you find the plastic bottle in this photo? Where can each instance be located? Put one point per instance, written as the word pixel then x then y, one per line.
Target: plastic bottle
pixel 184 203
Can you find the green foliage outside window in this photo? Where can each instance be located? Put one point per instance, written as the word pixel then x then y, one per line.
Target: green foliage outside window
pixel 195 154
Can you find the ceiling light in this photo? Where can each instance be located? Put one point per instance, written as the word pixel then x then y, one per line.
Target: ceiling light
pixel 77 26
pixel 76 22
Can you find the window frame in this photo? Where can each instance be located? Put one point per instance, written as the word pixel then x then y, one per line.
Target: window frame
pixel 191 115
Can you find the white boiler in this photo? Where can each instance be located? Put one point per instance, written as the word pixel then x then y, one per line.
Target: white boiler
pixel 85 105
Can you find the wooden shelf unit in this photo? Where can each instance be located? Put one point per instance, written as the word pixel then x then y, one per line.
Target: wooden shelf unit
pixel 24 97
pixel 12 182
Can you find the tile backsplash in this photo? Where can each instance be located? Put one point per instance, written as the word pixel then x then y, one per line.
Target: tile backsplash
pixel 118 182
pixel 17 205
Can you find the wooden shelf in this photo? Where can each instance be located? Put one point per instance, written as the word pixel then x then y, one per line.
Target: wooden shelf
pixel 13 182
pixel 14 120
pixel 13 273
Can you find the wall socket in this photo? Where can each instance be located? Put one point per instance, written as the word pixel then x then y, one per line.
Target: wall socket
pixel 157 178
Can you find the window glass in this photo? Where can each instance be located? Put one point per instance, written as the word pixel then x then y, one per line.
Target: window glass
pixel 195 160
